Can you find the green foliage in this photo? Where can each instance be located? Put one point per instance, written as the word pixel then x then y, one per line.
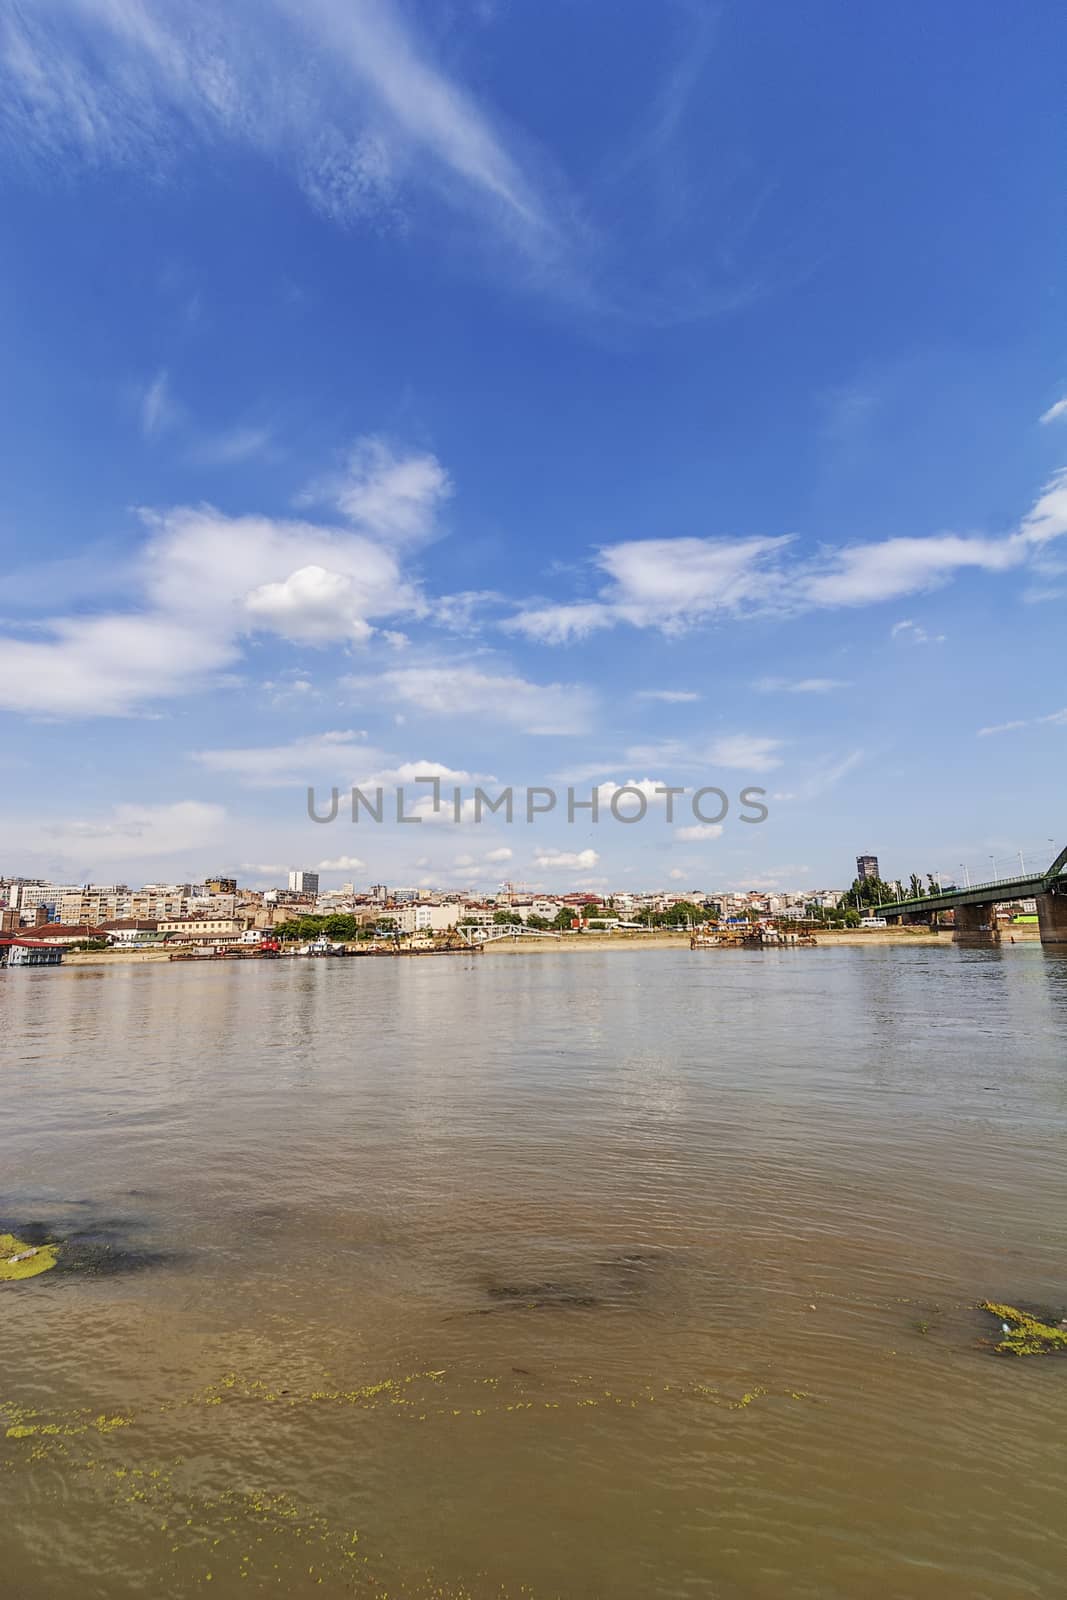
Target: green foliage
pixel 502 918
pixel 682 912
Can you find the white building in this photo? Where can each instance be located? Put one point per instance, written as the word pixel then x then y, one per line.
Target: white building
pixel 301 881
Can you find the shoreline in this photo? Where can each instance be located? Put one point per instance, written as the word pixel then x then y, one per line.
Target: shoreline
pixel 571 944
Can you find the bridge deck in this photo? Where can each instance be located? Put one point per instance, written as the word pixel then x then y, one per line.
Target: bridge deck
pixel 1026 887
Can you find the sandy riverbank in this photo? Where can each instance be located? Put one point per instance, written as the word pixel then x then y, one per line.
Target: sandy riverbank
pixel 571 943
pixel 680 941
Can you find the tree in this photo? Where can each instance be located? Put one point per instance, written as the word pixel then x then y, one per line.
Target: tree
pixel 683 911
pixel 502 918
pixel 564 918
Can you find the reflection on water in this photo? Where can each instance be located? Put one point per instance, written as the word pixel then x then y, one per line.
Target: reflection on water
pixel 618 1275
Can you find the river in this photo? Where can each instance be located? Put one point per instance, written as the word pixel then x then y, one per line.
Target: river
pixel 633 1274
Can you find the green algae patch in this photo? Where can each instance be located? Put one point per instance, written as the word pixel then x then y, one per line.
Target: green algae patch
pixel 19 1260
pixel 1024 1334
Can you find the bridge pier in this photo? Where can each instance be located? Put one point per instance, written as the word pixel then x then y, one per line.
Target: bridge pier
pixel 977 925
pixel 1052 918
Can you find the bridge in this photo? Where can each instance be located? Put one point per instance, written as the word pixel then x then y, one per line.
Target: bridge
pixel 488 933
pixel 973 904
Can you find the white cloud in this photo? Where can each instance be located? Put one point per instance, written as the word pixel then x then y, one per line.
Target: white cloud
pixel 341 864
pixel 461 691
pixel 302 761
pixel 203 582
pixel 745 750
pixel 108 665
pixel 1054 718
pixel 247 572
pixel 669 697
pixel 503 854
pixel 675 584
pixel 824 777
pixel 311 606
pixel 389 495
pixel 1054 412
pixel 864 574
pixel 340 95
pixel 561 624
pixel 676 874
pixel 158 410
pixel 799 685
pixel 569 860
pixel 127 832
pixel 664 583
pixel 700 830
pixel 235 445
pixel 909 632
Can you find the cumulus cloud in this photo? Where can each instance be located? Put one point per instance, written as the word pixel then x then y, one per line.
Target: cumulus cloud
pixel 311 606
pixel 697 831
pixel 341 864
pixel 202 583
pixel 568 860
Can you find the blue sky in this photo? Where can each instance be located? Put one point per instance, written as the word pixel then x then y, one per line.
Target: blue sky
pixel 673 394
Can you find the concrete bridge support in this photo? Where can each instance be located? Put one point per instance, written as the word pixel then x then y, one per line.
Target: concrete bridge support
pixel 976 925
pixel 1052 919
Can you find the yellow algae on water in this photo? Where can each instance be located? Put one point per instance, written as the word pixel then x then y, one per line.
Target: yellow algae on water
pixel 1025 1335
pixel 35 1258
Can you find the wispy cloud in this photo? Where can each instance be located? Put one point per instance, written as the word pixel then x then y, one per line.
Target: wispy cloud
pixel 341 93
pixel 324 755
pixel 677 584
pixel 799 685
pixel 745 751
pixel 1054 412
pixel 908 632
pixel 158 410
pixel 670 697
pixel 233 446
pixel 445 689
pixel 389 492
pixel 1054 718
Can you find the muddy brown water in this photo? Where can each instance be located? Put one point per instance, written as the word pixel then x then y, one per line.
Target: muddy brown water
pixel 624 1276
